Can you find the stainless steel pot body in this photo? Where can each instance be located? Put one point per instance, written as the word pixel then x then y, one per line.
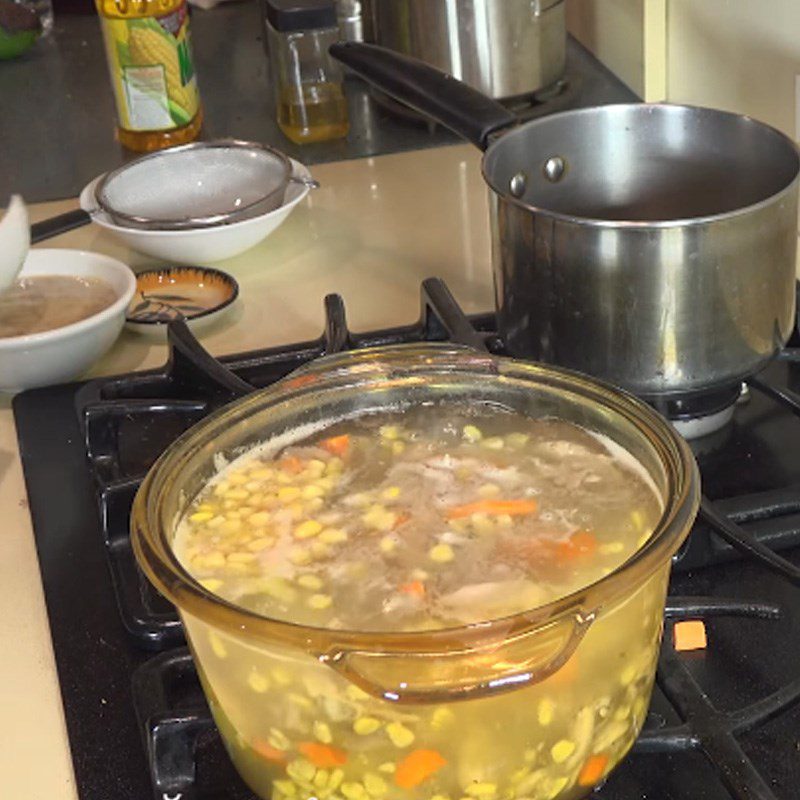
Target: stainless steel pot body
pixel 653 246
pixel 503 48
pixel 586 279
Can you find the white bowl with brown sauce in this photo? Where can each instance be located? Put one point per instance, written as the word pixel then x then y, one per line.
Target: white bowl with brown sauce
pixel 63 313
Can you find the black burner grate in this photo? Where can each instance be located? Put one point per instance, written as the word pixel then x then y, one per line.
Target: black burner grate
pixel 127 422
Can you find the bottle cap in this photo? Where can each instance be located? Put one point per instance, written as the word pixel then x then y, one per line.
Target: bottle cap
pixel 301 15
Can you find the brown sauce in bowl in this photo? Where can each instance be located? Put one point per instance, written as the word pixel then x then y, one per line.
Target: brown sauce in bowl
pixel 46 302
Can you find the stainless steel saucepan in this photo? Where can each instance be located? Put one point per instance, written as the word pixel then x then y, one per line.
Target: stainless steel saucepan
pixel 650 245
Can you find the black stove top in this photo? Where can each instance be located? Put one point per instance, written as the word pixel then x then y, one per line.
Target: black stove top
pixel 724 722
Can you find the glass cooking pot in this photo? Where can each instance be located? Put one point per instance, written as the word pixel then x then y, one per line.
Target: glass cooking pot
pixel 539 705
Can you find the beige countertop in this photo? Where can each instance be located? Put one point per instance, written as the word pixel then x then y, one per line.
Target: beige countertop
pixel 372 232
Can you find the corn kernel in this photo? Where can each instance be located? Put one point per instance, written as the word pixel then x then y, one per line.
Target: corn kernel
pixel 337 776
pixel 312 491
pixel 334 465
pixel 545 711
pixel 314 505
pixel 212 584
pixel 258 682
pixel 352 790
pixel 285 787
pixel 562 750
pixel 388 767
pixel 309 581
pixel 300 556
pixel 322 732
pixel 489 490
pixel 221 488
pixel 375 785
pixel 216 522
pixel 399 735
pixel 231 525
pixel 321 779
pixel 259 518
pixel 355 693
pixel 390 432
pixel 316 467
pixel 241 558
pixel 320 550
pixel 217 645
pixel 236 478
pixel 364 726
pixel 440 797
pixel 517 440
pixel 300 700
pixel 391 493
pixel 278 739
pixel 471 433
pixel 301 770
pixel 441 718
pixel 387 544
pixel 319 601
pixel 281 676
pixel 237 494
pixel 482 789
pixel 556 787
pixel 441 553
pixel 493 443
pixel 482 523
pixel 333 536
pixel 307 529
pixel 261 543
pixel 201 516
pixel 398 447
pixel 287 494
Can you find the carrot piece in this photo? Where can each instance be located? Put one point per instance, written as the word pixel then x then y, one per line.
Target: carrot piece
pixel 323 755
pixel 415 588
pixel 337 445
pixel 402 518
pixel 580 544
pixel 291 464
pixel 416 767
pixel 690 634
pixel 514 508
pixel 268 752
pixel 593 770
pixel 300 381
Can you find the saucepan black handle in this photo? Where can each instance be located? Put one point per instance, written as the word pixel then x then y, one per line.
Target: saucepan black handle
pixel 48 228
pixel 459 107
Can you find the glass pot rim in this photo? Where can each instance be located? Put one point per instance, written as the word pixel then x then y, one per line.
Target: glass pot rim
pixel 390 365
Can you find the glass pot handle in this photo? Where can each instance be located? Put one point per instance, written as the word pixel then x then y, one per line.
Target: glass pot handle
pixel 450 673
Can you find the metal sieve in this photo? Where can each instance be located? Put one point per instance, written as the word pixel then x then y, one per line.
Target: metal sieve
pixel 198 185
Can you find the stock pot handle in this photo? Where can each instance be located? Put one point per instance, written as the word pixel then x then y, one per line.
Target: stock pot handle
pixel 445 675
pixel 457 106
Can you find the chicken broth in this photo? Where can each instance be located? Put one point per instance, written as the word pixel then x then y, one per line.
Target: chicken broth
pixel 407 522
pixel 45 302
pixel 414 522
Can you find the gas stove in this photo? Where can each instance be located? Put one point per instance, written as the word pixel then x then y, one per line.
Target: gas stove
pixel 724 721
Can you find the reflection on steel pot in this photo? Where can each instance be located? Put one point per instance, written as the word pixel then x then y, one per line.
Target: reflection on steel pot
pixel 650 245
pixel 540 704
pixel 504 48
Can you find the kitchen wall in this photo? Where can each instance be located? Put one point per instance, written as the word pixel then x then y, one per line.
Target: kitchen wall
pixel 739 55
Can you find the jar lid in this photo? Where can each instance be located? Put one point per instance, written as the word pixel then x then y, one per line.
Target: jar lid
pixel 299 15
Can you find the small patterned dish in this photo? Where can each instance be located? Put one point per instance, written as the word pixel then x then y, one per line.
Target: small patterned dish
pixel 171 293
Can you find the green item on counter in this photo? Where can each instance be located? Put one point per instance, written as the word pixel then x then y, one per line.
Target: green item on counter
pixel 19 28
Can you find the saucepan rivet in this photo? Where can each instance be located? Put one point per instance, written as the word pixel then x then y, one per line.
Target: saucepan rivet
pixel 517 184
pixel 554 169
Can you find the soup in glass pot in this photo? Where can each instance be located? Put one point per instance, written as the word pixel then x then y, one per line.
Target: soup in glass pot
pixel 414 522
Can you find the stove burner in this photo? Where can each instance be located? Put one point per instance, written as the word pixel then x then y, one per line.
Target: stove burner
pixel 753 511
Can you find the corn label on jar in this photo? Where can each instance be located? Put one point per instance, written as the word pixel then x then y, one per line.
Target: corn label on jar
pixel 151 65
